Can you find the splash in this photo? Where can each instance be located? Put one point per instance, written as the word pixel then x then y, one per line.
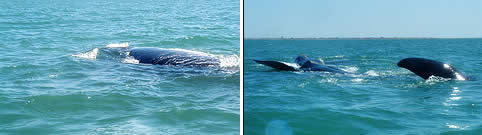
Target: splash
pixel 229 61
pixel 434 79
pixel 350 69
pixel 455 126
pixel 91 55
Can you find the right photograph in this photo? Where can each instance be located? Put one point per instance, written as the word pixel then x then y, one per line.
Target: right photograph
pixel 362 67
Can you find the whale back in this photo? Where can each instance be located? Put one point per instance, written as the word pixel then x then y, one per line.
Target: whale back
pixel 310 66
pixel 145 54
pixel 426 68
pixel 301 60
pixel 307 64
pixel 160 56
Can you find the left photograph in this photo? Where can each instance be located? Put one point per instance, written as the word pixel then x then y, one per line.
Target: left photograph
pixel 120 67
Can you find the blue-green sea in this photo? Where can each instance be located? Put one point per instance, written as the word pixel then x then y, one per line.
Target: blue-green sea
pixel 46 90
pixel 379 98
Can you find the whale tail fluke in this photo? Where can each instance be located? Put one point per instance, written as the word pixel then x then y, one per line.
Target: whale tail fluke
pixel 426 68
pixel 276 65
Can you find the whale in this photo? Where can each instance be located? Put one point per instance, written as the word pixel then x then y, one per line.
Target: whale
pixel 426 68
pixel 303 64
pixel 154 56
pixel 175 57
pixel 422 67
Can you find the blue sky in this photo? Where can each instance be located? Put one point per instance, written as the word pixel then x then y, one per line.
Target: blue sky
pixel 363 18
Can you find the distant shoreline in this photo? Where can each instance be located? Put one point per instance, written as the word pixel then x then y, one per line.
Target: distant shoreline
pixel 353 38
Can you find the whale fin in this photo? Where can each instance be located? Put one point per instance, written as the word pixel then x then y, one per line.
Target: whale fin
pixel 426 68
pixel 276 65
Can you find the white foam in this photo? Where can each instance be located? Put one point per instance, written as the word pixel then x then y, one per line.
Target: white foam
pixel 372 73
pixel 130 60
pixel 332 80
pixel 436 79
pixel 118 45
pixel 229 61
pixel 455 126
pixel 350 69
pixel 452 126
pixel 357 80
pixel 91 55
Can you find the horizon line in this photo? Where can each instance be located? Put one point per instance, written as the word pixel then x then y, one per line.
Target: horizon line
pixel 327 38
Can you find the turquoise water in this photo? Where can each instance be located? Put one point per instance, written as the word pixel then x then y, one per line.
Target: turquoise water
pixel 45 90
pixel 379 98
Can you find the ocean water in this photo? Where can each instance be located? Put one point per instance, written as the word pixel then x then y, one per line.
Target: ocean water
pixel 379 98
pixel 46 88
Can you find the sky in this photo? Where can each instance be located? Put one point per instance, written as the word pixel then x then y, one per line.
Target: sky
pixel 362 18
